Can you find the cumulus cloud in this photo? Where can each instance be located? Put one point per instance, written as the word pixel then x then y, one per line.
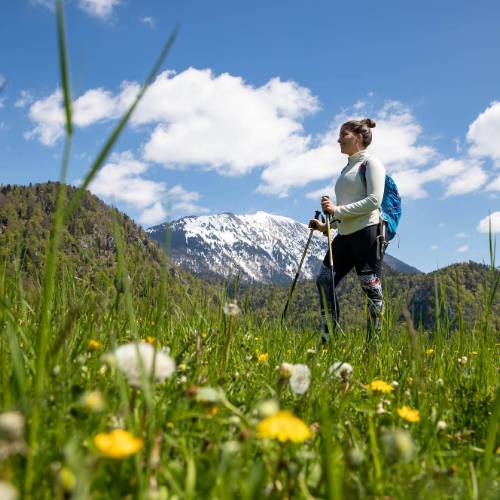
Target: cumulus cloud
pixel 463 248
pixel 493 220
pixel 494 185
pixel 122 180
pixel 483 134
pixel 95 105
pixel 98 8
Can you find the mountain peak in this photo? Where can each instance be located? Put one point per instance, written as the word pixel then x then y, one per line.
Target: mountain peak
pixel 261 246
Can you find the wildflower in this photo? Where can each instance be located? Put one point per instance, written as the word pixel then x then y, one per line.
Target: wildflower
pixel 441 425
pixel 67 479
pixel 130 357
pixel 231 309
pixel 439 381
pixel 474 354
pixel 263 357
pixel 93 401
pixel 380 410
pixel 212 410
pixel 208 395
pixel 11 426
pixel 284 426
pixel 300 379
pixel 380 386
pixel 409 414
pixel 311 351
pixel 151 340
pixel 398 445
pixel 11 434
pixel 341 370
pixel 7 491
pixel 462 360
pixel 94 345
pixel 117 444
pixel 394 384
pixel 286 370
pixel 429 351
pixel 268 408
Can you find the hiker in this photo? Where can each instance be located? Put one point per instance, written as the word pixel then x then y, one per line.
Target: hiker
pixel 357 217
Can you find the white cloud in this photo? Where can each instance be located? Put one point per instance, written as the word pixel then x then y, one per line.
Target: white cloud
pixel 484 224
pixel 463 248
pixel 149 21
pixel 462 235
pixel 153 215
pixel 494 185
pixel 95 105
pixel 483 134
pixel 98 8
pixel 359 105
pixel 121 180
pixel 25 98
pixel 434 247
pixel 48 4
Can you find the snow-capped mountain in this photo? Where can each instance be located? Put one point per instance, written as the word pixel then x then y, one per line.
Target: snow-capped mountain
pixel 263 247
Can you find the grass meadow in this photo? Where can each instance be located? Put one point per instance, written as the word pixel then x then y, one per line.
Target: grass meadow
pixel 110 394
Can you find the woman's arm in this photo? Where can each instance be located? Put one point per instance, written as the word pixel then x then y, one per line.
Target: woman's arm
pixel 375 183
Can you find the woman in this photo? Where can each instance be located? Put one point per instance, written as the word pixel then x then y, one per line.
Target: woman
pixel 357 217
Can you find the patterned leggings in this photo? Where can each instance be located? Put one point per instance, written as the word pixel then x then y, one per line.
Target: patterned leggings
pixel 358 250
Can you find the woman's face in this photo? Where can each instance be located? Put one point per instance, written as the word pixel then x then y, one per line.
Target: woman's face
pixel 350 142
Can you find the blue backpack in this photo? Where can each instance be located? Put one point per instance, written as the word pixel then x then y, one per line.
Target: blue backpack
pixel 391 203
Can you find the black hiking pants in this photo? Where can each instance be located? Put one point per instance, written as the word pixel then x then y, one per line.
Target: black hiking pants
pixel 361 250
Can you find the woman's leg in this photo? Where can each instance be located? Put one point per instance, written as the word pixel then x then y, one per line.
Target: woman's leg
pixel 369 270
pixel 329 304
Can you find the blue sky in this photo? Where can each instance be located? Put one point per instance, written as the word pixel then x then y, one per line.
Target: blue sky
pixel 245 113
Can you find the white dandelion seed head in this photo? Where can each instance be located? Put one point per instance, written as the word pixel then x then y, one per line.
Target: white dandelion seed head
pixel 130 357
pixel 341 370
pixel 300 379
pixel 7 491
pixel 11 426
pixel 231 309
pixel 441 425
pixel 286 369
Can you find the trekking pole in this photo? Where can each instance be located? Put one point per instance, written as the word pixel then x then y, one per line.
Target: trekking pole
pixel 330 263
pixel 292 288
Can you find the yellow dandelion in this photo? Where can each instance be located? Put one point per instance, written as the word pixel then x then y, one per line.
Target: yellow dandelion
pixel 94 345
pixel 118 443
pixel 284 426
pixel 474 354
pixel 263 357
pixel 429 351
pixel 381 386
pixel 151 340
pixel 212 411
pixel 409 414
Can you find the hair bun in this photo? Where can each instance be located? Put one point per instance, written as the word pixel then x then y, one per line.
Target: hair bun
pixel 369 123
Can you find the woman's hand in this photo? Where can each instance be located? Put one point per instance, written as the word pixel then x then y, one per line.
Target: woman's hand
pixel 327 205
pixel 317 225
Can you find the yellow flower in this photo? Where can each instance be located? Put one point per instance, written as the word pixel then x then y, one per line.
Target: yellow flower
pixel 94 345
pixel 284 426
pixel 380 386
pixel 151 340
pixel 93 401
pixel 118 443
pixel 474 354
pixel 212 411
pixel 429 351
pixel 263 357
pixel 409 414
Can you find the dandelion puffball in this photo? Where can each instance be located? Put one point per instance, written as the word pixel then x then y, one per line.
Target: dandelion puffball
pixel 300 379
pixel 135 357
pixel 341 370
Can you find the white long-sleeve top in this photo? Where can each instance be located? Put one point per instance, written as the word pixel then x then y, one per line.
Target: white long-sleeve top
pixel 358 202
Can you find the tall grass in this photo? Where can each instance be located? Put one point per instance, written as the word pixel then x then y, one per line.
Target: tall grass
pixel 199 448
